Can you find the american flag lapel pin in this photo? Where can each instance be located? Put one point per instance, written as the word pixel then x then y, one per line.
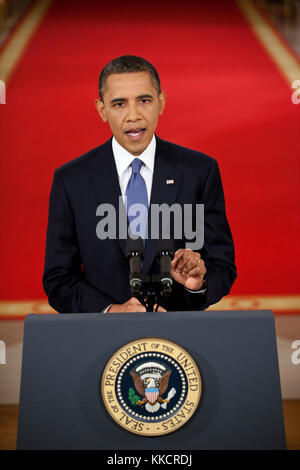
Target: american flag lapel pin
pixel 170 181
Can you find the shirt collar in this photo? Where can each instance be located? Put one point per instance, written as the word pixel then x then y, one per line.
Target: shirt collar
pixel 124 159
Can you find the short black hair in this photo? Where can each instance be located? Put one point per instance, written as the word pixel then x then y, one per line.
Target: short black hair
pixel 128 64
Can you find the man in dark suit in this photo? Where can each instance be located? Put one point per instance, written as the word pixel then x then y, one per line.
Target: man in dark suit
pixel 84 273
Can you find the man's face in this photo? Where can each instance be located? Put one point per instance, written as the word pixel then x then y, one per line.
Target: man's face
pixel 131 105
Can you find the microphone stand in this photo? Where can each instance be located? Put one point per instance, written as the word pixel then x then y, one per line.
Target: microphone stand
pixel 150 290
pixel 148 293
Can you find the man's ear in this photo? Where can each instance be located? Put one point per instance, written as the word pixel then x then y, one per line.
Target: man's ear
pixel 101 109
pixel 162 102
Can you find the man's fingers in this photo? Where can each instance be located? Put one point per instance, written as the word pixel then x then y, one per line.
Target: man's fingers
pixel 127 307
pixel 190 266
pixel 134 305
pixel 193 263
pixel 177 256
pixel 181 252
pixel 199 270
pixel 160 309
pixel 196 272
pixel 188 261
pixel 187 265
pixel 134 300
pixel 178 260
pixel 137 308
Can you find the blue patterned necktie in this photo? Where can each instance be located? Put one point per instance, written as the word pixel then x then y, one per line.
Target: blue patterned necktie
pixel 136 193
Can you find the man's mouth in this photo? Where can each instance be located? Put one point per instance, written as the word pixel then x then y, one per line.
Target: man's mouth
pixel 135 134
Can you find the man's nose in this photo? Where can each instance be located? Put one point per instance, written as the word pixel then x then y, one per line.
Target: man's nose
pixel 132 112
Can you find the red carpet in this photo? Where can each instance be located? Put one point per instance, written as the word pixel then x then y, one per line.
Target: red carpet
pixel 225 98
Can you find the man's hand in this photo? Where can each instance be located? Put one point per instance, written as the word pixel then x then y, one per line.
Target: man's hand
pixel 188 269
pixel 132 305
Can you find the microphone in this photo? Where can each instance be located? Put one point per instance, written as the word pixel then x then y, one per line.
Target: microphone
pixel 135 254
pixel 166 254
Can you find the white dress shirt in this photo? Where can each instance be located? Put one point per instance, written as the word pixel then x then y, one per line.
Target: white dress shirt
pixel 124 159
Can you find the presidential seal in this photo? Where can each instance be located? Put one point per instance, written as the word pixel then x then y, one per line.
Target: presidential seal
pixel 151 386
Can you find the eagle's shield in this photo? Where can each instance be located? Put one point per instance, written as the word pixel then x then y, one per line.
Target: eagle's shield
pixel 152 395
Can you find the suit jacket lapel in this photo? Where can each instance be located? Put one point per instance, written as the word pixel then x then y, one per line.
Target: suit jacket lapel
pixel 105 184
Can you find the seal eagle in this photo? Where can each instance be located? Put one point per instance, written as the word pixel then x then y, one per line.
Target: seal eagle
pixel 151 389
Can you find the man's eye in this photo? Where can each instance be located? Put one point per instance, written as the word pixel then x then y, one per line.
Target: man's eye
pixel 118 105
pixel 145 100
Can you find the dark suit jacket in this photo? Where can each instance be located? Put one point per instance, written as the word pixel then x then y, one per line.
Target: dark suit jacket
pixel 85 274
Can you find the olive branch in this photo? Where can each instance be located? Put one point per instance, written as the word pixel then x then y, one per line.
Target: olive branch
pixel 133 397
